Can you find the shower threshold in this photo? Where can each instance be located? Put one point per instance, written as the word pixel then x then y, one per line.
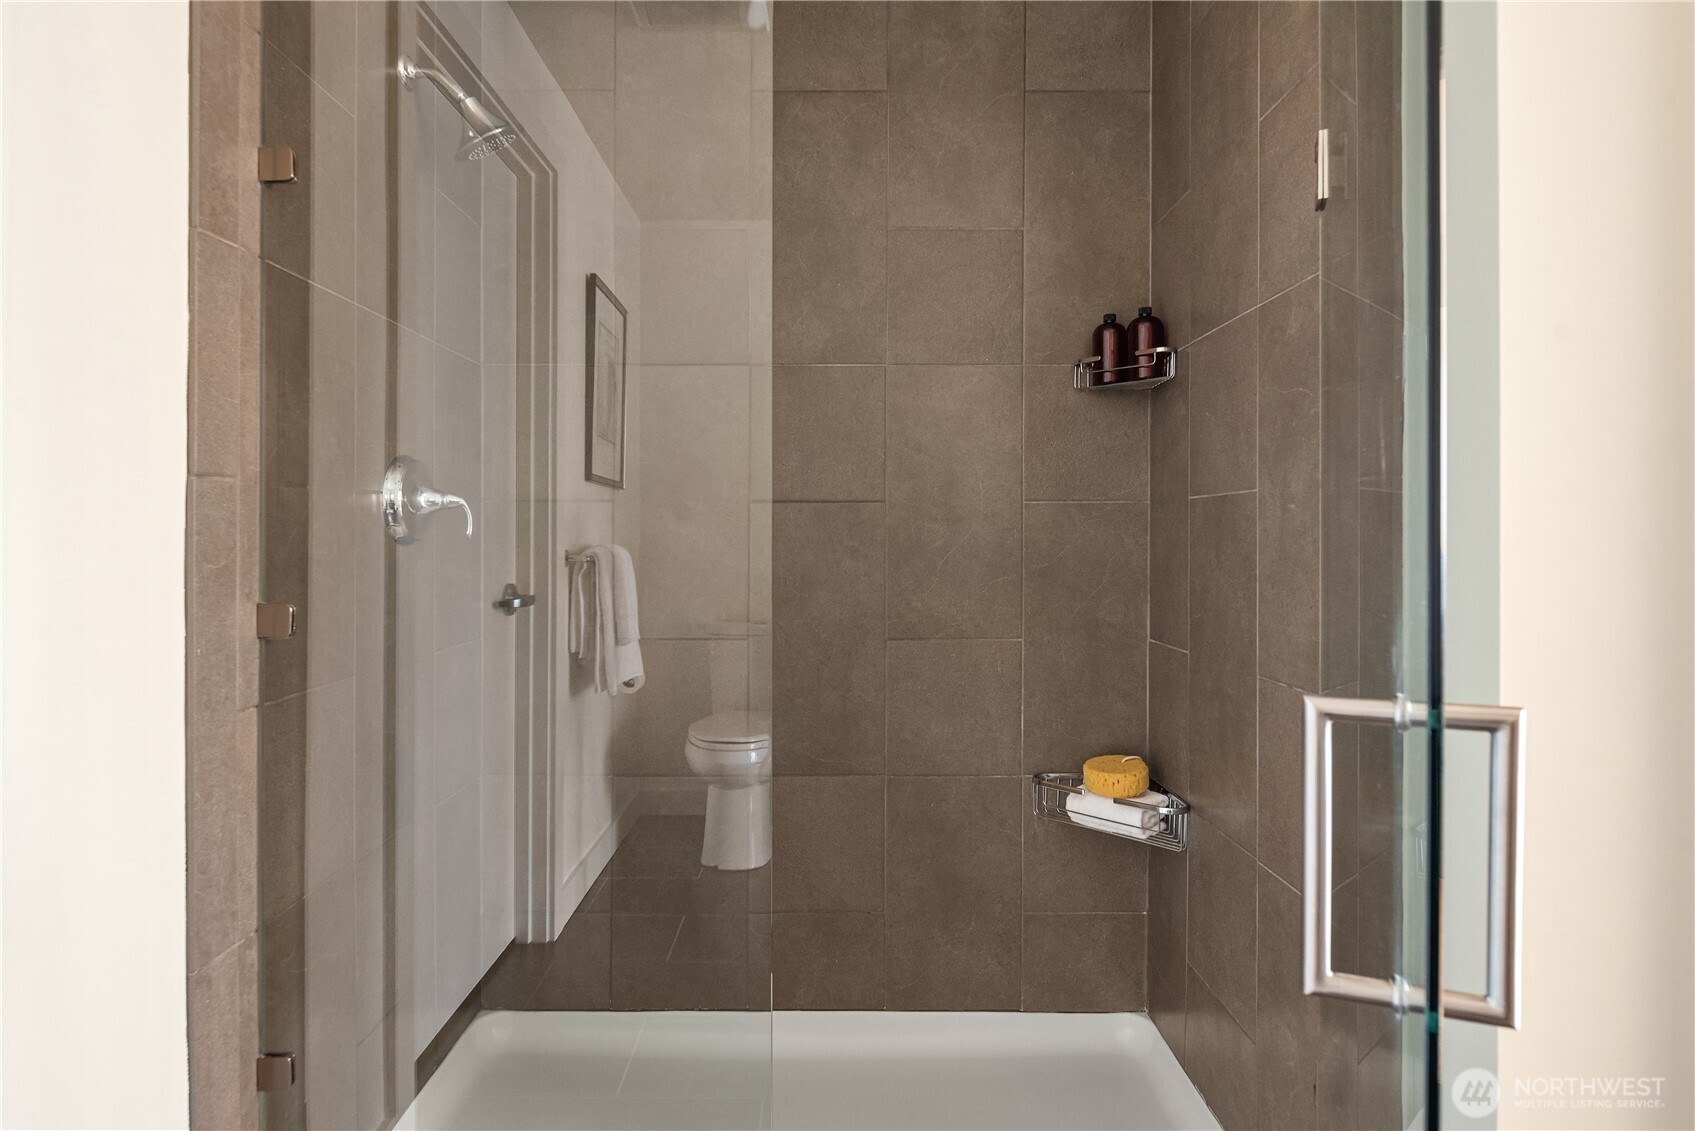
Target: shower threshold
pixel 792 1071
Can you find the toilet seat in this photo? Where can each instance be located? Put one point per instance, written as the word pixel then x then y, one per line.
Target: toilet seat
pixel 731 744
pixel 732 730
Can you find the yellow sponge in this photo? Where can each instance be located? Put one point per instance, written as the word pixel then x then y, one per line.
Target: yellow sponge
pixel 1115 775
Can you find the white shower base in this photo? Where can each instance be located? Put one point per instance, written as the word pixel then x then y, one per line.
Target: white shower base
pixel 793 1071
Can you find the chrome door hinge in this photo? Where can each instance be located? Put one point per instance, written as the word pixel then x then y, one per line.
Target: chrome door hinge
pixel 276 165
pixel 274 1072
pixel 274 621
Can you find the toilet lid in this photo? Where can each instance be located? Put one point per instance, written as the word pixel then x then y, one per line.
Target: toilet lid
pixel 732 728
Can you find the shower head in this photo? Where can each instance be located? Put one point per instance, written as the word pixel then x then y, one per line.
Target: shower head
pixel 485 132
pixel 477 146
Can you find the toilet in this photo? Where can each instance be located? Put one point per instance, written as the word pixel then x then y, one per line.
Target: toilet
pixel 732 751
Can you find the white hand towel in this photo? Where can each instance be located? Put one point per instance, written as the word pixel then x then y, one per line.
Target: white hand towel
pixel 627 671
pixel 599 631
pixel 1106 814
pixel 603 631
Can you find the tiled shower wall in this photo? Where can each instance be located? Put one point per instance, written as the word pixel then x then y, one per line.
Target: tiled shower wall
pixel 223 565
pixel 960 540
pixel 1275 540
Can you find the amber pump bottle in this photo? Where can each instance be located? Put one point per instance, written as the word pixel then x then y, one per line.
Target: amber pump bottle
pixel 1112 346
pixel 1145 334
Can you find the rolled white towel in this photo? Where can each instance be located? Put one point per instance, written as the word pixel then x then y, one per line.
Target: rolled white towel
pixel 1106 814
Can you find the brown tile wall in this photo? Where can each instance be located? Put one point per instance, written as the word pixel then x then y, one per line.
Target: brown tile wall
pixel 960 541
pixel 223 565
pixel 1275 532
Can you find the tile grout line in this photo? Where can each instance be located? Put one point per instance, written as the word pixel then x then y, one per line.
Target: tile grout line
pixel 1259 452
pixel 883 974
pixel 635 1047
pixel 1023 456
pixel 1148 541
pixel 1284 97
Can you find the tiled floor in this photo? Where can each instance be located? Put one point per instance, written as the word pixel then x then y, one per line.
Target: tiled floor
pixel 657 931
pixel 803 1070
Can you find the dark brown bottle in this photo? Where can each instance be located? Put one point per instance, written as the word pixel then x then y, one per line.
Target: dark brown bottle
pixel 1112 346
pixel 1145 334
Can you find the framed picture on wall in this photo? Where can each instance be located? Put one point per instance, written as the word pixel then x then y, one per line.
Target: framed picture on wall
pixel 605 380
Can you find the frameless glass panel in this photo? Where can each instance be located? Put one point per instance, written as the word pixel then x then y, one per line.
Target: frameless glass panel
pixel 1379 441
pixel 326 848
pixel 1470 1089
pixel 494 342
pixel 1422 570
pixel 1419 830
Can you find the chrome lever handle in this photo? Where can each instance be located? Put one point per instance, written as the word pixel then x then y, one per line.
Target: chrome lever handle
pixel 404 495
pixel 428 500
pixel 510 600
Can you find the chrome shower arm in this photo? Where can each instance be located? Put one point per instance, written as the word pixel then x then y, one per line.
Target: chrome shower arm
pixel 411 72
pixel 485 132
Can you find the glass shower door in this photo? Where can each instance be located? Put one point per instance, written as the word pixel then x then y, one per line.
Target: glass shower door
pixel 329 950
pixel 1375 752
pixel 408 321
pixel 1367 896
pixel 454 822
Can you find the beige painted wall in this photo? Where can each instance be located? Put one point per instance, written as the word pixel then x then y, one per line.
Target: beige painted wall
pixel 1597 534
pixel 95 458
